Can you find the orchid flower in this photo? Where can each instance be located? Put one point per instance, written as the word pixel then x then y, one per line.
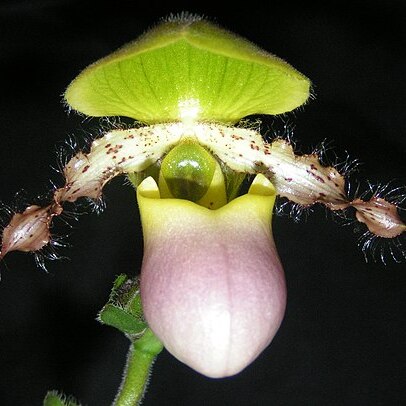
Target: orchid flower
pixel 212 285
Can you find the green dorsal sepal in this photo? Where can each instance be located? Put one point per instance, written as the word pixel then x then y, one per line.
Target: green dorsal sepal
pixel 188 67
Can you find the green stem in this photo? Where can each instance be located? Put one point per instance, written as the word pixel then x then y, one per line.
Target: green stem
pixel 140 358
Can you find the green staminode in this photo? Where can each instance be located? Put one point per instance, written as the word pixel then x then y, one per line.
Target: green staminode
pixel 188 68
pixel 188 170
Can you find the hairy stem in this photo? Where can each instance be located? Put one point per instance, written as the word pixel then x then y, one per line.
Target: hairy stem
pixel 141 356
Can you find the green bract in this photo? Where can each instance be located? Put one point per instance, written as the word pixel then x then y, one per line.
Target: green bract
pixel 188 68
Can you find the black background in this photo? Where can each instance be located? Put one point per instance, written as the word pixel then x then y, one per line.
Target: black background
pixel 343 338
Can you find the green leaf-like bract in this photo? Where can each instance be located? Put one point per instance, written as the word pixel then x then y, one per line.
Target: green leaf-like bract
pixel 122 320
pixel 188 60
pixel 53 398
pixel 123 310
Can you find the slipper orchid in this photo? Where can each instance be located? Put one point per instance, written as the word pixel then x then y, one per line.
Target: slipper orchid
pixel 212 285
